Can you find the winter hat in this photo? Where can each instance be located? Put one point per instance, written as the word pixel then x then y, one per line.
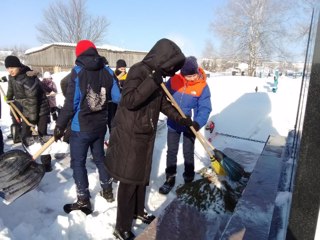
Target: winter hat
pixel 121 63
pixel 84 45
pixel 47 75
pixel 190 66
pixel 12 61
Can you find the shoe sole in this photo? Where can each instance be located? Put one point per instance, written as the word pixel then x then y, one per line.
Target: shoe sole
pixel 143 219
pixel 84 210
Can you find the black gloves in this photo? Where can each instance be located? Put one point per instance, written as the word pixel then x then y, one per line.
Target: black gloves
pixel 58 133
pixel 196 126
pixel 4 79
pixel 186 121
pixel 67 133
pixel 157 76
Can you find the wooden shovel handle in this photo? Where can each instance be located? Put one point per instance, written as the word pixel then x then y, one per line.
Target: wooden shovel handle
pixel 11 109
pixel 2 92
pixel 43 148
pixel 15 114
pixel 206 141
pixel 197 134
pixel 24 118
pixel 17 110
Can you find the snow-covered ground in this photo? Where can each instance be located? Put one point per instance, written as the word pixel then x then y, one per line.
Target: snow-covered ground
pixel 237 110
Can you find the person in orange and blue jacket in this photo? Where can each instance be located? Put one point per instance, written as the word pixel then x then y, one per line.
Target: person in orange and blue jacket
pixel 192 94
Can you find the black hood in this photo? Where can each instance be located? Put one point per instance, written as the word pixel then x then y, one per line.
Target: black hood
pixel 91 60
pixel 24 69
pixel 166 56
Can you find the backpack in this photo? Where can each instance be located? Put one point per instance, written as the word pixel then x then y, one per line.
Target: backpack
pixel 96 96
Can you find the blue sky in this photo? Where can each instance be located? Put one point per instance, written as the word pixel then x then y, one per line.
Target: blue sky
pixel 134 24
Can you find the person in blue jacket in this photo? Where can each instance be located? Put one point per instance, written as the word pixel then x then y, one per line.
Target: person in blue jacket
pixel 92 84
pixel 191 92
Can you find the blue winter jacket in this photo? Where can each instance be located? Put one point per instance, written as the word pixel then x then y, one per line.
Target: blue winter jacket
pixel 193 97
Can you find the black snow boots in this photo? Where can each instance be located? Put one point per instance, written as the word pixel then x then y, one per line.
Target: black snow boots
pixel 168 185
pixel 107 194
pixel 82 204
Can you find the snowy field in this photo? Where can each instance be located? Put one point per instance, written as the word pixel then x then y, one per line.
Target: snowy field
pixel 238 110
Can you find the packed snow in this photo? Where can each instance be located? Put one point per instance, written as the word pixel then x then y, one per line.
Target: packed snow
pixel 238 110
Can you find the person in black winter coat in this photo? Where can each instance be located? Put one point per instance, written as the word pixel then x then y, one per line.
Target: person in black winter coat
pixel 90 86
pixel 25 90
pixel 129 154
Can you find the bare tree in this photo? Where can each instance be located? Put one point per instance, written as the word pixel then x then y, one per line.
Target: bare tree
pixel 19 51
pixel 70 22
pixel 303 12
pixel 209 57
pixel 209 50
pixel 253 30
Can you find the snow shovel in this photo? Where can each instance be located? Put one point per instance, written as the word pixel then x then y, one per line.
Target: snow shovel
pixel 219 158
pixel 19 173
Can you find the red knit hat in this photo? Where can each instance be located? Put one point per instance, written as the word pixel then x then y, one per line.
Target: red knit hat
pixel 83 45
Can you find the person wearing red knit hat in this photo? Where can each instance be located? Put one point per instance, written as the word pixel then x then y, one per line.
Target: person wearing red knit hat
pixel 91 84
pixel 84 45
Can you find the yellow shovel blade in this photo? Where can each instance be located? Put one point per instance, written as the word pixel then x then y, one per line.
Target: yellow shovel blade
pixel 216 166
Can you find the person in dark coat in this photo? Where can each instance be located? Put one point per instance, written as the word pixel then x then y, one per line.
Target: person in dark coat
pixel 129 154
pixel 91 85
pixel 50 89
pixel 25 90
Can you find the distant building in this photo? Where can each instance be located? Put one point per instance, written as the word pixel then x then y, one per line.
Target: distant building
pixel 57 57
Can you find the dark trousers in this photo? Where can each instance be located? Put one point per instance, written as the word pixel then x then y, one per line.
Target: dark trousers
pixel 173 139
pixel 53 112
pixel 15 129
pixel 130 201
pixel 42 130
pixel 80 142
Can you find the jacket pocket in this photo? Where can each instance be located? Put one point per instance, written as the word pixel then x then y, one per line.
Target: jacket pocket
pixel 143 123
